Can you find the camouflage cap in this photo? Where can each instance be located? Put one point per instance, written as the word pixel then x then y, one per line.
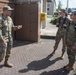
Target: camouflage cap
pixel 63 10
pixel 74 12
pixel 7 8
pixel 71 13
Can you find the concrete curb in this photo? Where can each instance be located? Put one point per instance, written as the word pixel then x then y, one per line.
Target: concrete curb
pixel 47 37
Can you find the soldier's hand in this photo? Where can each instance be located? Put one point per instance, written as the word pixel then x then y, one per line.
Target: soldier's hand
pixel 57 24
pixel 64 25
pixel 74 47
pixel 3 42
pixel 19 26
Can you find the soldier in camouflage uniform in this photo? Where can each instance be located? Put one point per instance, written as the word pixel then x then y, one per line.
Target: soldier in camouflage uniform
pixel 71 42
pixel 6 25
pixel 61 24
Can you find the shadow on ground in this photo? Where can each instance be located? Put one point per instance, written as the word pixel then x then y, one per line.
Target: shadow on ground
pixel 40 64
pixel 60 71
pixel 1 66
pixel 21 43
pixel 47 37
pixel 17 43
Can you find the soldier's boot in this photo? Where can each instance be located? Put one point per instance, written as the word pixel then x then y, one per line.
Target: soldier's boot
pixel 7 64
pixel 66 65
pixel 55 48
pixel 69 67
pixel 62 56
pixel 53 52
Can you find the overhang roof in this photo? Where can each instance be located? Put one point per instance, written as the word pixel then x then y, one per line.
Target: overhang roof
pixel 49 0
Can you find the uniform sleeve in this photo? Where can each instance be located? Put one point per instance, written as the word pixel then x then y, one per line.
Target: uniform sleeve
pixel 67 28
pixel 1 37
pixel 75 44
pixel 75 40
pixel 58 20
pixel 68 21
pixel 13 26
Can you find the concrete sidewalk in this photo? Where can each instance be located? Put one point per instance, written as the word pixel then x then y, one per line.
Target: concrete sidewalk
pixel 34 58
pixel 50 29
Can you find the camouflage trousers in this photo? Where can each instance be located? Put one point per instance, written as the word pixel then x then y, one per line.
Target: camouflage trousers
pixel 71 55
pixel 5 51
pixel 60 35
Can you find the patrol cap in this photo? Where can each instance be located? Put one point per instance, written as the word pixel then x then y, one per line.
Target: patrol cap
pixel 63 10
pixel 71 13
pixel 74 12
pixel 7 8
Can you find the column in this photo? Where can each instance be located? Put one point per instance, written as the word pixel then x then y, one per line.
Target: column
pixel 44 10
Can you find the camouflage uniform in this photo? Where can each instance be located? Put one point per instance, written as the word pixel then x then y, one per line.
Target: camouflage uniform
pixel 71 41
pixel 6 25
pixel 61 33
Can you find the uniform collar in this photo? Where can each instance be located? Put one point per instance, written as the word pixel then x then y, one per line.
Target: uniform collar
pixel 64 17
pixel 4 17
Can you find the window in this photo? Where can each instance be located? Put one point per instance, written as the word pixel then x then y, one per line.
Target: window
pixel 47 8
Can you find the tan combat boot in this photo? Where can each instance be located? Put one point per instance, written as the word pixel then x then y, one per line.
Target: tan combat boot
pixel 69 67
pixel 53 53
pixel 7 64
pixel 62 56
pixel 66 66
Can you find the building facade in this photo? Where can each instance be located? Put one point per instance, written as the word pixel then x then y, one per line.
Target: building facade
pixel 43 8
pixel 31 20
pixel 51 7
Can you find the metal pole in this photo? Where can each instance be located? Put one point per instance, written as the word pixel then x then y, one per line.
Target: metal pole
pixel 67 5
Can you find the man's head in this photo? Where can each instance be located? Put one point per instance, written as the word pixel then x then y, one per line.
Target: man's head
pixel 7 10
pixel 74 15
pixel 63 13
pixel 71 16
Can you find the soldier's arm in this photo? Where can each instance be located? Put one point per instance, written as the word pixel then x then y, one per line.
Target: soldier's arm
pixel 16 27
pixel 1 37
pixel 67 28
pixel 13 26
pixel 75 39
pixel 66 23
pixel 11 22
pixel 57 23
pixel 74 46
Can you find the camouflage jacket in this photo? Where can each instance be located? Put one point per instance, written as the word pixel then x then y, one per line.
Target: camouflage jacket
pixel 71 34
pixel 61 28
pixel 6 25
